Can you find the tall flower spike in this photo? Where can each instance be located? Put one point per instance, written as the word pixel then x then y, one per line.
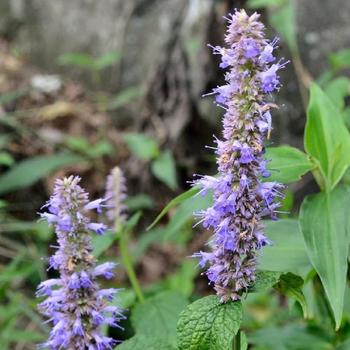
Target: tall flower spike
pixel 241 199
pixel 115 196
pixel 75 303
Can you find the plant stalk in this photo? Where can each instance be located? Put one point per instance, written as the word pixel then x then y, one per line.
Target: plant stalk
pixel 236 344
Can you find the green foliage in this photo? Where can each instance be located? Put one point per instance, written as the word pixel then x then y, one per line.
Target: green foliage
pixel 29 171
pixel 327 140
pixel 255 4
pixel 157 317
pixel 138 202
pixel 324 221
pixel 142 146
pixel 337 89
pixel 6 159
pixel 287 164
pixel 287 253
pixel 84 60
pixel 164 169
pixel 82 145
pixel 143 342
pixel 208 324
pixel 340 59
pixel 125 97
pixel 265 280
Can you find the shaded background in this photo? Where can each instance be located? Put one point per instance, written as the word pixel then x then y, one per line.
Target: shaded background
pixel 141 69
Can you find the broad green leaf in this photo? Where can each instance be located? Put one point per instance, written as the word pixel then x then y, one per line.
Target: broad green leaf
pixel 126 96
pixel 173 203
pixel 6 159
pixel 29 171
pixel 287 251
pixel 159 315
pixel 291 286
pixel 326 138
pixel 290 337
pixel 208 324
pixel 254 4
pixel 337 89
pixel 79 59
pixel 344 346
pixel 142 146
pixel 264 281
pixel 287 164
pixel 163 168
pixel 340 59
pixel 144 342
pixel 324 221
pixel 283 20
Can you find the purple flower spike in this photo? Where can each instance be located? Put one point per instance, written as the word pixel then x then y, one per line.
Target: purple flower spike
pixel 74 303
pixel 241 199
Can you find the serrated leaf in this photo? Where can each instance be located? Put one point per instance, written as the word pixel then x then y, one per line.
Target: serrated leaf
pixel 208 324
pixel 159 315
pixel 173 203
pixel 144 342
pixel 287 164
pixel 163 168
pixel 324 221
pixel 326 138
pixel 291 286
pixel 31 170
pixel 142 146
pixel 264 280
pixel 287 251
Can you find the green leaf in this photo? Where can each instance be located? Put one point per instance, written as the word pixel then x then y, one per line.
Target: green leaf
pixel 287 164
pixel 106 60
pixel 324 221
pixel 159 315
pixel 144 342
pixel 287 251
pixel 6 159
pixel 173 203
pixel 140 201
pixel 344 346
pixel 79 59
pixel 340 59
pixel 142 146
pixel 264 281
pixel 163 168
pixel 291 286
pixel 255 4
pixel 326 138
pixel 208 324
pixel 29 171
pixel 283 20
pixel 337 89
pixel 12 96
pixel 125 97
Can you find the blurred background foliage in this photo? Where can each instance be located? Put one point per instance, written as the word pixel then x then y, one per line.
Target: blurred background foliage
pixel 85 86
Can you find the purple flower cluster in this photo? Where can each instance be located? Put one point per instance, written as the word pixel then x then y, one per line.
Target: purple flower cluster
pixel 115 196
pixel 241 198
pixel 75 303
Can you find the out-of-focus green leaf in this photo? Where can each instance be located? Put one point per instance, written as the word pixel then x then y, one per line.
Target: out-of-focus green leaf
pixel 173 203
pixel 255 4
pixel 159 315
pixel 344 346
pixel 125 97
pixel 208 324
pixel 326 139
pixel 340 59
pixel 290 337
pixel 163 168
pixel 143 342
pixel 287 251
pixel 106 60
pixel 337 89
pixel 138 202
pixel 12 96
pixel 6 159
pixel 79 59
pixel 283 20
pixel 142 146
pixel 29 171
pixel 325 223
pixel 291 286
pixel 287 164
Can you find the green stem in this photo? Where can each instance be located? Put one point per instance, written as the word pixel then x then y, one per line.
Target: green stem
pixel 236 345
pixel 124 252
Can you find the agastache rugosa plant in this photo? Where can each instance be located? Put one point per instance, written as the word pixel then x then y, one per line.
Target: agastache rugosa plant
pixel 75 303
pixel 241 198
